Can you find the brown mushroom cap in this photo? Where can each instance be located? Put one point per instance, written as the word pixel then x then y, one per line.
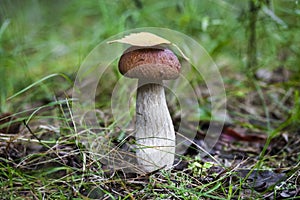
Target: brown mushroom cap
pixel 149 63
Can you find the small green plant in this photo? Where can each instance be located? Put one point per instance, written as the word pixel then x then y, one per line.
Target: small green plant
pixel 199 168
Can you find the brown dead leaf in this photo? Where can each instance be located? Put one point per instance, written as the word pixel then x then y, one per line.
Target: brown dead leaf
pixel 231 134
pixel 9 124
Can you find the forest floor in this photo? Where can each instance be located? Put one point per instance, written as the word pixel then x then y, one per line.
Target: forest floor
pixel 257 155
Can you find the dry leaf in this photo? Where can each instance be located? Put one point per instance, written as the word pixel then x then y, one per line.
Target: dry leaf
pixel 9 124
pixel 142 39
pixel 145 39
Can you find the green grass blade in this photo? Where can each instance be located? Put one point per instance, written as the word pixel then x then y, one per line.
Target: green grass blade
pixel 37 83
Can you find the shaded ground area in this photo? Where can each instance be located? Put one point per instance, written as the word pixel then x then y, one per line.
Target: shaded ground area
pixel 44 157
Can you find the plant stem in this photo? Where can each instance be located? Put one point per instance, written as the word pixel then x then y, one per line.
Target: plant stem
pixel 252 45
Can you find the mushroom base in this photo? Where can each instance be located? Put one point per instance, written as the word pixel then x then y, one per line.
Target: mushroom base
pixel 155 135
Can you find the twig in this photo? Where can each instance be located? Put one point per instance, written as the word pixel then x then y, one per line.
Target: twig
pixel 30 131
pixel 36 137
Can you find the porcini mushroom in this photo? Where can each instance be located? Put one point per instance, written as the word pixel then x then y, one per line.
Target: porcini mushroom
pixel 154 131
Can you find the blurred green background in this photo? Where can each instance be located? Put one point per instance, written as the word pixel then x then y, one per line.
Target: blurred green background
pixel 39 37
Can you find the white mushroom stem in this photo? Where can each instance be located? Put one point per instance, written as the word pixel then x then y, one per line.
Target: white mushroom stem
pixel 155 135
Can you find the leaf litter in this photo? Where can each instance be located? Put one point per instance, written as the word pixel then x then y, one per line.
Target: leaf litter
pixel 46 147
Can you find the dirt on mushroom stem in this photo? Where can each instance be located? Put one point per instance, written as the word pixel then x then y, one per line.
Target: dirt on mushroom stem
pixel 155 135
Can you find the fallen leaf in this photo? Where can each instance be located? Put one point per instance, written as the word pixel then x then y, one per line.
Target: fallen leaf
pixel 146 39
pixel 260 180
pixel 142 39
pixel 9 124
pixel 231 134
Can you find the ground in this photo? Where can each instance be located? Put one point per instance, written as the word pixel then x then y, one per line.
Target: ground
pixel 256 156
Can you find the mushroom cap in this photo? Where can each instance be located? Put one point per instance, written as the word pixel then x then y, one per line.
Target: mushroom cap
pixel 149 63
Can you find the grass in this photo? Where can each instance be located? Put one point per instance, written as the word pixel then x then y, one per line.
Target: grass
pixel 42 45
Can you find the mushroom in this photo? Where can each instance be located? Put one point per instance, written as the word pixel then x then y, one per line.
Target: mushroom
pixel 154 131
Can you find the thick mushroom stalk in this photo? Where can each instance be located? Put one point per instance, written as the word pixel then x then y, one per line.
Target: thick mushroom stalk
pixel 155 135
